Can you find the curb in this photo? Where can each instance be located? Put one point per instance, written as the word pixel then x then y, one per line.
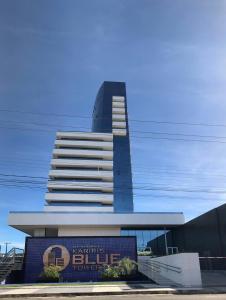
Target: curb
pixel 133 292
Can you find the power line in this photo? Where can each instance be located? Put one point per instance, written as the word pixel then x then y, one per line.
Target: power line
pixel 134 131
pixel 180 134
pixel 157 188
pixel 169 197
pixel 68 184
pixel 134 120
pixel 145 169
pixel 26 176
pixel 178 139
pixel 178 123
pixel 14 185
pixel 43 124
pixel 45 114
pixel 141 186
pixel 140 137
pixel 132 136
pixel 42 177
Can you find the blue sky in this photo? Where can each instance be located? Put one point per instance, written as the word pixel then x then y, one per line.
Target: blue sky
pixel 55 54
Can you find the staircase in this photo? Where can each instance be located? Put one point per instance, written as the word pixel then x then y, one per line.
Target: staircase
pixel 13 260
pixel 152 269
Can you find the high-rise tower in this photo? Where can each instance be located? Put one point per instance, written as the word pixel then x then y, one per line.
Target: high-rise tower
pixel 110 116
pixel 92 171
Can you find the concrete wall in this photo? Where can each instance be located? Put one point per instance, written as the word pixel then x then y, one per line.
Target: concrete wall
pixel 39 232
pixel 87 231
pixel 189 276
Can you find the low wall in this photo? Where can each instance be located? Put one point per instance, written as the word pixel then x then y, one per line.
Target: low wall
pixel 178 269
pixel 79 258
pixel 188 263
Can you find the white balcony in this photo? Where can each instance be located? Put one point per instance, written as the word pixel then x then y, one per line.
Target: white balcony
pixel 84 144
pixel 86 198
pixel 83 153
pixel 80 185
pixel 118 104
pixel 119 124
pixel 82 163
pixel 116 117
pixel 82 174
pixel 84 135
pixel 119 132
pixel 74 208
pixel 118 98
pixel 120 111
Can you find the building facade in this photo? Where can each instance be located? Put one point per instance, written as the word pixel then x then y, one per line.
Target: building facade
pixel 81 175
pixel 89 191
pixel 204 234
pixel 110 116
pixel 88 219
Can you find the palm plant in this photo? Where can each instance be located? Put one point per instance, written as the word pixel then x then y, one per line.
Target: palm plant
pixel 127 267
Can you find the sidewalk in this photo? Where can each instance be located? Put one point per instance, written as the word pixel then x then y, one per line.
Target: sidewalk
pixel 96 289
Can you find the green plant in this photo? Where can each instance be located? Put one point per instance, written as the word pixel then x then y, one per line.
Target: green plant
pixel 144 253
pixel 111 273
pixel 50 274
pixel 125 269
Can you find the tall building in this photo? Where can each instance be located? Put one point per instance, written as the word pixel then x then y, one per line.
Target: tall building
pixel 110 116
pixel 90 181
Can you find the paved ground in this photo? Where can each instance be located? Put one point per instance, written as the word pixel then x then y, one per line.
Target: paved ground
pixel 79 289
pixel 132 297
pixel 110 291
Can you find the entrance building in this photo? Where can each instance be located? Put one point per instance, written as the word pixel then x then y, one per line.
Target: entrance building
pixel 89 191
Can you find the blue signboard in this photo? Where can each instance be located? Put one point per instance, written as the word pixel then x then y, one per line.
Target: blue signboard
pixel 80 258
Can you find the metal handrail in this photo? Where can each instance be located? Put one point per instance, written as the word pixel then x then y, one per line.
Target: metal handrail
pixel 11 255
pixel 12 260
pixel 151 266
pixel 176 269
pixel 159 265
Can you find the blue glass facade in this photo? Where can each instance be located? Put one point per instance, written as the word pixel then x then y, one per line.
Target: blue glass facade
pixel 102 122
pixel 145 237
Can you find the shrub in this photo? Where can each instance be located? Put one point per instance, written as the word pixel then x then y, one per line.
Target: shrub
pixel 111 273
pixel 50 274
pixel 126 269
pixel 144 253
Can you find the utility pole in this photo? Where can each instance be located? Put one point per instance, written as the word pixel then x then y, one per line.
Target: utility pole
pixel 166 244
pixel 6 246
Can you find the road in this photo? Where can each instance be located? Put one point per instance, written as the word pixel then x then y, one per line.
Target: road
pixel 131 297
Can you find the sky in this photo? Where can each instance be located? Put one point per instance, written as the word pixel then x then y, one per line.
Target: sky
pixel 54 55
